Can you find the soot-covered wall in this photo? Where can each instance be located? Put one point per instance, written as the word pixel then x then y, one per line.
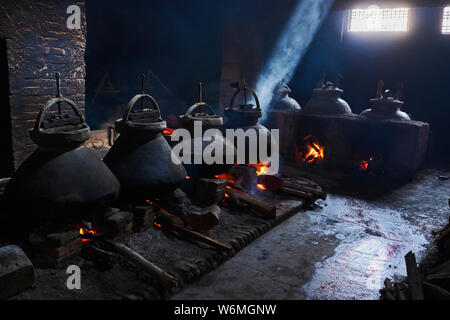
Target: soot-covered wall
pixel 36 43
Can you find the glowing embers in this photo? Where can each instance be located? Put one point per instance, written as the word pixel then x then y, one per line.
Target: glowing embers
pixel 365 164
pixel 311 152
pixel 261 168
pixel 261 187
pixel 227 177
pixel 86 234
pixel 375 19
pixel 372 165
pixel 168 132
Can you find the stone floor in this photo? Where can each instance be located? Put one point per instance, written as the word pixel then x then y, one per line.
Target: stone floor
pixel 342 249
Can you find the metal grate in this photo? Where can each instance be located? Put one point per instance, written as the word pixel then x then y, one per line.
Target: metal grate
pixel 446 21
pixel 375 19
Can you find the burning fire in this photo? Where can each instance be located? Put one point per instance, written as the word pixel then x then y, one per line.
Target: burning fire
pixel 364 165
pixel 227 177
pixel 314 152
pixel 85 231
pixel 156 224
pixel 261 187
pixel 168 132
pixel 224 201
pixel 261 168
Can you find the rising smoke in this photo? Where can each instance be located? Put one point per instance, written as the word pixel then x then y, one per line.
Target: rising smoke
pixel 291 47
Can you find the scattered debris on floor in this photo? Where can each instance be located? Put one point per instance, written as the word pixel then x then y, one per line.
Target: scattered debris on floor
pixel 430 284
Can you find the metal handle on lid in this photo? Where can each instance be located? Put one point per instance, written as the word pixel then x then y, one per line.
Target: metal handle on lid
pixel 199 105
pixel 135 99
pixel 50 103
pixel 258 106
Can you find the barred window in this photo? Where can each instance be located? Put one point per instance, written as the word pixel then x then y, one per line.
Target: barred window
pixel 446 21
pixel 375 19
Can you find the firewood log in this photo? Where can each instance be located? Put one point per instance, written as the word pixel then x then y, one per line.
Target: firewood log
pixel 266 209
pixel 166 280
pixel 414 280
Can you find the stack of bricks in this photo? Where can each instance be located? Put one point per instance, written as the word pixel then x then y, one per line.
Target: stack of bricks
pixel 38 44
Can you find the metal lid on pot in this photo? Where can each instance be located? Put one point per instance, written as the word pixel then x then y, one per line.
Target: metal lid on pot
pixel 385 105
pixel 60 130
pixel 246 112
pixel 145 120
pixel 326 100
pixel 386 98
pixel 209 118
pixel 328 88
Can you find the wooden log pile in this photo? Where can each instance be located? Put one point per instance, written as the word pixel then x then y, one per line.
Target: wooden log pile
pixel 433 284
pixel 52 244
pixel 298 187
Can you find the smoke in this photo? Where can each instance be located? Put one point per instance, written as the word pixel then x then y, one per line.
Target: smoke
pixel 291 47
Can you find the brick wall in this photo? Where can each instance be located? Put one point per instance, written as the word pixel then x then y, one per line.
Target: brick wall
pixel 38 43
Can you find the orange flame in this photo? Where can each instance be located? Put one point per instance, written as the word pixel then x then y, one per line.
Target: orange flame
pixel 314 153
pixel 364 165
pixel 261 168
pixel 168 132
pixel 227 177
pixel 86 231
pixel 261 187
pixel 188 178
pixel 224 201
pixel 159 226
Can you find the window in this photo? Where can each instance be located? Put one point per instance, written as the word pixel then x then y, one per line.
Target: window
pixel 446 21
pixel 375 19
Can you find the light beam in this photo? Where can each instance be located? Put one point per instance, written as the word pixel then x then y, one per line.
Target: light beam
pixel 291 47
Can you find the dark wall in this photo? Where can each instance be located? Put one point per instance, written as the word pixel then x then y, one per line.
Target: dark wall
pixel 418 58
pixel 178 40
pixel 37 44
pixel 6 161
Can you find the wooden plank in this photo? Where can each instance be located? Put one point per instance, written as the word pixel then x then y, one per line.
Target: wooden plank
pixel 266 209
pixel 414 280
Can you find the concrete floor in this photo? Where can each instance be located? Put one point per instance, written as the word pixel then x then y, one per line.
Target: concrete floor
pixel 342 249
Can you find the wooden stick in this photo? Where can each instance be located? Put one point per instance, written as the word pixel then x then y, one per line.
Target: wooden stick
pixel 399 292
pixel 297 193
pixel 437 276
pixel 177 224
pixel 300 181
pixel 414 281
pixel 166 280
pixel 434 292
pixel 202 238
pixel 266 209
pixel 296 186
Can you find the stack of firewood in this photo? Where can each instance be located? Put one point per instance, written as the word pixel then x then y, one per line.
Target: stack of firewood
pixel 433 284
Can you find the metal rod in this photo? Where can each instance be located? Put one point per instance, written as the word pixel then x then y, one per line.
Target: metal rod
pixel 245 91
pixel 200 94
pixel 142 90
pixel 58 90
